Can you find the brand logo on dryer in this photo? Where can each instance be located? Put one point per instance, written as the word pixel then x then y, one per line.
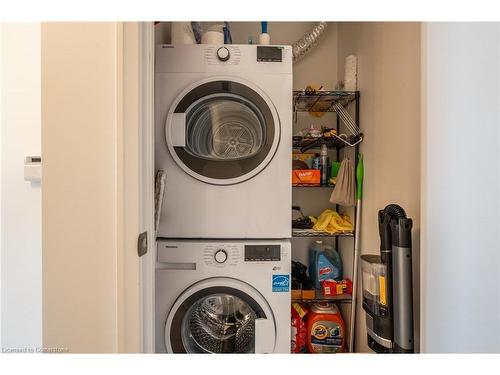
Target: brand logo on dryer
pixel 281 283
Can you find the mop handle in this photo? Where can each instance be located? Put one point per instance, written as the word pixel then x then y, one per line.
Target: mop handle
pixel 360 171
pixel 359 194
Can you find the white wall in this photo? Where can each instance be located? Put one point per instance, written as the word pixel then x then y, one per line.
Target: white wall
pixel 460 188
pixel 318 67
pixel 21 314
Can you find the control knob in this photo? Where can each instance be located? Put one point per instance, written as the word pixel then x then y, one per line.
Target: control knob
pixel 220 256
pixel 223 54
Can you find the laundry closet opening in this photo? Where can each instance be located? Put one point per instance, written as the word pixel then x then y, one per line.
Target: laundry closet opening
pixel 274 161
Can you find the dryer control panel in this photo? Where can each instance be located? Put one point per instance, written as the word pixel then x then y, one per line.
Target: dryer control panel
pixel 221 255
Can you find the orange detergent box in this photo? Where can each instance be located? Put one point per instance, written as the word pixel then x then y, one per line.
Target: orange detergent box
pixel 334 288
pixel 306 176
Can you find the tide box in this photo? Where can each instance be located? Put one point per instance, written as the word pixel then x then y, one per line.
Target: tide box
pixel 306 176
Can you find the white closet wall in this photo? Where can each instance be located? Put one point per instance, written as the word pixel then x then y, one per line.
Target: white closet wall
pixel 460 186
pixel 21 242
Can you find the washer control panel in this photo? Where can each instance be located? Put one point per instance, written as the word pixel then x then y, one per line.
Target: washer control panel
pixel 221 255
pixel 262 253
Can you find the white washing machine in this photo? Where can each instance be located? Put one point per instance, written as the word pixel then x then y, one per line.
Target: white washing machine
pixel 223 120
pixel 223 297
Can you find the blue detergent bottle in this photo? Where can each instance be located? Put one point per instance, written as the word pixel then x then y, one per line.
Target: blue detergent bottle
pixel 324 263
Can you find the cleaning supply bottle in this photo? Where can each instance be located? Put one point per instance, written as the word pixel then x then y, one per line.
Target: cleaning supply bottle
pixel 324 263
pixel 264 37
pixel 325 329
pixel 227 33
pixel 316 164
pixel 324 162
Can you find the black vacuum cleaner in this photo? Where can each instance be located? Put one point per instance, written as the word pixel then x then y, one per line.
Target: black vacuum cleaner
pixel 387 285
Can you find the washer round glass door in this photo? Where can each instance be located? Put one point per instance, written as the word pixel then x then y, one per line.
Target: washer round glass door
pixel 222 132
pixel 211 318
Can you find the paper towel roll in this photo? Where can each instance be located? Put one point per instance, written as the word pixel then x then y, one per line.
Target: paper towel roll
pixel 212 37
pixel 351 73
pixel 182 33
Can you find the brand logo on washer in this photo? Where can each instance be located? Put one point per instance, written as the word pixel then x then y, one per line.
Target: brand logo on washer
pixel 281 283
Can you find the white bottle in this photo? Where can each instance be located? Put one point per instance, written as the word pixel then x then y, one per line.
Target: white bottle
pixel 264 37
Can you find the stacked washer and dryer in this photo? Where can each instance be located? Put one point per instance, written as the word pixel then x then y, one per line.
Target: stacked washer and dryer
pixel 223 121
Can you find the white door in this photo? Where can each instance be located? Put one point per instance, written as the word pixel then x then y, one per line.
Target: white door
pixel 220 315
pixel 222 131
pixel 91 190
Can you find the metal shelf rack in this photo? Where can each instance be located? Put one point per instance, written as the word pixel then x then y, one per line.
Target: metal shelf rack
pixel 313 186
pixel 319 297
pixel 321 101
pixel 335 142
pixel 345 104
pixel 313 233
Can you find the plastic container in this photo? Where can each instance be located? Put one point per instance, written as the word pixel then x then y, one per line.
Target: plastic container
pixel 324 263
pixel 325 329
pixel 264 38
pixel 374 283
pixel 182 33
pixel 335 166
pixel 213 32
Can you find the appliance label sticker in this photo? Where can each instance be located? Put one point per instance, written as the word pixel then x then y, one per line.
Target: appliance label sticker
pixel 281 283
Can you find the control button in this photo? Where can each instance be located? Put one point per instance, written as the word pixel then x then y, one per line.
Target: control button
pixel 223 54
pixel 220 256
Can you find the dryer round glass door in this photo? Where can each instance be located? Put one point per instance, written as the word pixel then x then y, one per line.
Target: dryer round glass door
pixel 216 319
pixel 222 132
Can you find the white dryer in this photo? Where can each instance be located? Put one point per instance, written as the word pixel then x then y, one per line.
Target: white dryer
pixel 223 120
pixel 223 297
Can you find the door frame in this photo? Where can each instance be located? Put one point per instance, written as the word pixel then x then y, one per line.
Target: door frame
pixel 135 294
pixel 146 186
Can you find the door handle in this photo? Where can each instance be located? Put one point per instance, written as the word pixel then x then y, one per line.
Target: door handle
pixel 264 336
pixel 176 126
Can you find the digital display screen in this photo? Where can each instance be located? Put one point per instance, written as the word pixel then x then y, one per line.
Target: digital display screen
pixel 269 54
pixel 259 253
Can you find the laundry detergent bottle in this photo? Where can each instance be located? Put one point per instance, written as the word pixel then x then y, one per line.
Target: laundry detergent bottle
pixel 325 329
pixel 324 263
